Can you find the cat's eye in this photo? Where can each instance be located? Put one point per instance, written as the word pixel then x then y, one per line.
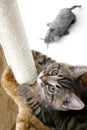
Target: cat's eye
pixel 51 88
pixel 54 72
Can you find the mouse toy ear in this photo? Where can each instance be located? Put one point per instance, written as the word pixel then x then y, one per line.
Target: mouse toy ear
pixel 78 71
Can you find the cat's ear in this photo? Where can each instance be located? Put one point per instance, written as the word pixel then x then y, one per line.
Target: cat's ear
pixel 78 70
pixel 73 102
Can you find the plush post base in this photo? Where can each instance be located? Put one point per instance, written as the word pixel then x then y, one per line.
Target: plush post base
pixel 8 108
pixel 25 118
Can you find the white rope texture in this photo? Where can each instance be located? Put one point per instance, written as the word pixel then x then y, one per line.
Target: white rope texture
pixel 15 43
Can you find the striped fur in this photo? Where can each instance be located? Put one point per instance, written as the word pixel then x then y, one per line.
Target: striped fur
pixel 57 85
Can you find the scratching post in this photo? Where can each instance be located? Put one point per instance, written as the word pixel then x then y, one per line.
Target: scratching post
pixel 19 56
pixel 15 43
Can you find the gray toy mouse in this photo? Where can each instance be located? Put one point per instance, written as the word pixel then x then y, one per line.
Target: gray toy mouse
pixel 59 27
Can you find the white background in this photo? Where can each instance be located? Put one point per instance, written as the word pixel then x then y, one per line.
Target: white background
pixel 70 49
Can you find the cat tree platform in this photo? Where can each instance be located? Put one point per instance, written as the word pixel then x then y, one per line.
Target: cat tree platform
pixel 25 118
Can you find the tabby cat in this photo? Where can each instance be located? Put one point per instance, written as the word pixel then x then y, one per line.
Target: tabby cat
pixel 58 98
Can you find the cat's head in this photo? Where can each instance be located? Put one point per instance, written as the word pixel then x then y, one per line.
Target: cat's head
pixel 57 86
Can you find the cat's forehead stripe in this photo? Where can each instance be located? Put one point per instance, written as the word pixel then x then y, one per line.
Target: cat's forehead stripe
pixel 52 66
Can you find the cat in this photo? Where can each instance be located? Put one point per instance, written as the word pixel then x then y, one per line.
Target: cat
pixel 58 98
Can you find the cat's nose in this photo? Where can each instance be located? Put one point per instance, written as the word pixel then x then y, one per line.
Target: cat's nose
pixel 44 78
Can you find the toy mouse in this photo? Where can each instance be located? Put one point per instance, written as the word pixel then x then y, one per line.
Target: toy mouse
pixel 59 27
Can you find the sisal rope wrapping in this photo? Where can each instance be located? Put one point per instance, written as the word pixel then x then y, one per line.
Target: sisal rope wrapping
pixel 15 43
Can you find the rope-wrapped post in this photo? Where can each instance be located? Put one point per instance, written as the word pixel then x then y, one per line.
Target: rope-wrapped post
pixel 18 53
pixel 15 43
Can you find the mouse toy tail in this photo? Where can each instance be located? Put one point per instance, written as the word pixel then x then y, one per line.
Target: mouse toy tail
pixel 47 45
pixel 75 6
